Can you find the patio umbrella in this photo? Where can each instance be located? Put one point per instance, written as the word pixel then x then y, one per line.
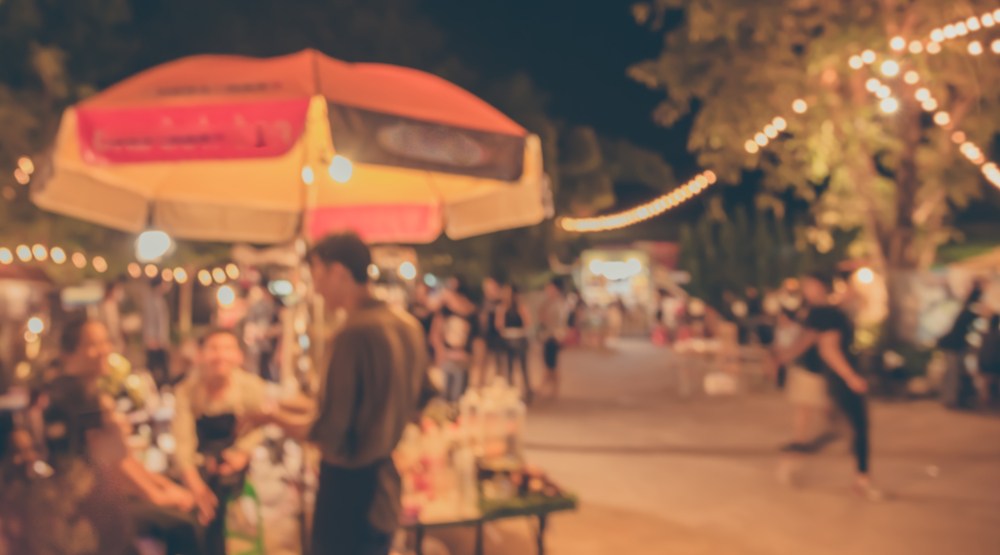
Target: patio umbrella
pixel 227 148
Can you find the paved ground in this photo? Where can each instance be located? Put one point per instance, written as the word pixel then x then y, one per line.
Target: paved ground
pixel 659 473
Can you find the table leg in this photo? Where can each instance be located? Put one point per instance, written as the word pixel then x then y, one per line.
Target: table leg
pixel 479 538
pixel 542 521
pixel 419 548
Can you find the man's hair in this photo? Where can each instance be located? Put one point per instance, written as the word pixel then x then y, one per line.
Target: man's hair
pixel 216 331
pixel 72 334
pixel 346 249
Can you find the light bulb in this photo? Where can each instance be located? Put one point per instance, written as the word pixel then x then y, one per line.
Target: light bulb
pixel 873 85
pixel 995 46
pixel 232 271
pixel 856 62
pixel 897 43
pixel 866 276
pixel 373 272
pixel 922 94
pixel 929 105
pixel 751 147
pixel 961 29
pixel 79 260
pixel 800 106
pixel 152 245
pixel 205 277
pixel 168 274
pixel 911 77
pixel 950 32
pixel 780 124
pixel 973 23
pixel 937 35
pixel 975 48
pixel 100 265
pixel 408 271
pixel 226 296
pixel 889 105
pixel 341 169
pixel 934 48
pixel 23 253
pixel 988 20
pixel 868 57
pixel 40 253
pixel 890 68
pixel 57 255
pixel 26 165
pixel 151 270
pixel 180 275
pixel 761 139
pixel 916 47
pixel 883 92
pixel 958 137
pixel 942 118
pixel 770 131
pixel 36 325
pixel 6 257
pixel 219 275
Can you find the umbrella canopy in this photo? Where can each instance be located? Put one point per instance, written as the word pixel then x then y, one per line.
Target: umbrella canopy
pixel 227 148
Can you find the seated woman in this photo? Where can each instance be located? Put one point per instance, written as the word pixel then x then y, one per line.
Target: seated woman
pixel 213 453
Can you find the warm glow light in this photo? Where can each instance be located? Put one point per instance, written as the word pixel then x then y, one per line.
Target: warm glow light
pixel 152 245
pixel 975 48
pixel 219 275
pixel 922 94
pixel 868 57
pixel 889 105
pixel 57 255
pixel 937 35
pixel 883 92
pixel 873 84
pixel 911 77
pixel 897 43
pixel 890 68
pixel 23 253
pixel 751 147
pixel 134 270
pixel 761 139
pixel 916 47
pixel 21 177
pixel 168 275
pixel 962 29
pixel 373 272
pixel 26 165
pixel 205 277
pixel 341 169
pixel 942 118
pixel 929 105
pixel 800 106
pixel 226 296
pixel 36 325
pixel 180 275
pixel 79 260
pixel 232 271
pixel 934 48
pixel 988 20
pixel 40 253
pixel 995 46
pixel 408 271
pixel 780 124
pixel 770 131
pixel 866 276
pixel 6 257
pixel 958 137
pixel 950 32
pixel 307 175
pixel 856 62
pixel 151 270
pixel 100 265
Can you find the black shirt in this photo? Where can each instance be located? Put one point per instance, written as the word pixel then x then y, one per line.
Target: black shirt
pixel 824 319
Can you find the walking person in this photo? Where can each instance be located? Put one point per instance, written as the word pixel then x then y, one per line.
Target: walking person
pixel 513 320
pixel 374 384
pixel 954 345
pixel 825 348
pixel 156 330
pixel 551 331
pixel 453 334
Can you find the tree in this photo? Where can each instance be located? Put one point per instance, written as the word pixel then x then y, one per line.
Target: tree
pixel 898 176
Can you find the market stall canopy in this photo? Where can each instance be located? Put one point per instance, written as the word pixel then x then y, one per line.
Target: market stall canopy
pixel 227 148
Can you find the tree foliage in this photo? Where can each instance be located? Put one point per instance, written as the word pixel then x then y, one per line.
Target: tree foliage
pixel 737 65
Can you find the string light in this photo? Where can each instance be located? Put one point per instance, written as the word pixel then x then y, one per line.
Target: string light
pixel 26 165
pixel 79 260
pixel 205 277
pixel 929 105
pixel 942 118
pixel 922 94
pixel 779 123
pixel 937 35
pixel 911 78
pixel 100 264
pixel 643 212
pixel 963 28
pixel 751 147
pixel 219 275
pixel 916 47
pixel 934 48
pixel 958 137
pixel 873 85
pixel 856 62
pixel 21 177
pixel 760 139
pixel 23 253
pixel 57 255
pixel 800 106
pixel 6 257
pixel 232 271
pixel 973 23
pixel 897 43
pixel 167 275
pixel 975 48
pixel 889 105
pixel 180 275
pixel 151 271
pixel 134 270
pixel 40 253
pixel 890 68
pixel 883 92
pixel 868 57
pixel 995 46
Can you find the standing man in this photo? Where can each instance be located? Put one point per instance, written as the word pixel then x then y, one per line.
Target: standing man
pixel 212 453
pixel 373 386
pixel 551 329
pixel 156 330
pixel 825 348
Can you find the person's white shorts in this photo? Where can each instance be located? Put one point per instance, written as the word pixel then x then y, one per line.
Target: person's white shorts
pixel 808 389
